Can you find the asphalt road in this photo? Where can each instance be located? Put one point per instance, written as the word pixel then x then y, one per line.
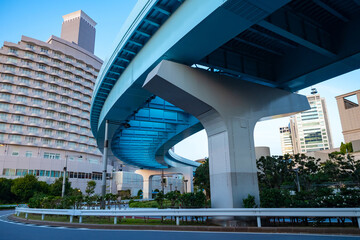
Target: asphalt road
pixel 19 231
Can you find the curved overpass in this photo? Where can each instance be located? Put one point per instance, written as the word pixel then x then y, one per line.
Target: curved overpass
pixel 286 45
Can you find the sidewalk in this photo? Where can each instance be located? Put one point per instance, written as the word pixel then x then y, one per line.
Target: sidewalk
pixel 309 230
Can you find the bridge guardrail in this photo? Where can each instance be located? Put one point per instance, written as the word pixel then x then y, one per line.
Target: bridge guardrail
pixel 201 212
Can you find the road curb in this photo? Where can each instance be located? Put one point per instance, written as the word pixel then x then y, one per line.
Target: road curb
pixel 296 230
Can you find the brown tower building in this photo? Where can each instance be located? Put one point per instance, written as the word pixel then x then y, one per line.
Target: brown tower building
pixel 349 111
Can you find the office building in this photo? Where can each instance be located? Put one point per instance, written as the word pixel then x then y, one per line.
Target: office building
pixel 286 142
pixel 309 130
pixel 45 96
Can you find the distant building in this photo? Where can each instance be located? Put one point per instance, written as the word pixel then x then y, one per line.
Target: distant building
pixel 286 142
pixel 45 95
pixel 349 111
pixel 309 130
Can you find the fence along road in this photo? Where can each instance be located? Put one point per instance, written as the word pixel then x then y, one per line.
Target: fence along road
pixel 201 212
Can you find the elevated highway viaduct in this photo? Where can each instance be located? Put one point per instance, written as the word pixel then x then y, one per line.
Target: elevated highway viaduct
pixel 180 66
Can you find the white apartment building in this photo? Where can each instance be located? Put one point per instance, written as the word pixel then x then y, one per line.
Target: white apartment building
pixel 45 96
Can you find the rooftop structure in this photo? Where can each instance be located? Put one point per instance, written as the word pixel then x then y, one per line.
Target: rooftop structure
pixel 79 28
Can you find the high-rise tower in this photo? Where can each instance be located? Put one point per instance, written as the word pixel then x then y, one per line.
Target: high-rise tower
pixel 45 96
pixel 309 130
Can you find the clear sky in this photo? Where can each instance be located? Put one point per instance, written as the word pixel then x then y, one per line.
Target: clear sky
pixel 40 19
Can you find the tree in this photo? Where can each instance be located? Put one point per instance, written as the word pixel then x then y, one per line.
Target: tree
pixel 202 178
pixel 139 193
pixel 249 202
pixel 6 196
pixel 343 148
pixel 274 172
pixel 25 187
pixel 90 188
pixel 349 147
pixel 174 197
pixel 160 197
pixel 56 187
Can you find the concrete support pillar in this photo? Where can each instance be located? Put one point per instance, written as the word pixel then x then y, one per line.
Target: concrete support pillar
pixel 42 217
pixel 115 220
pixel 26 215
pixel 80 219
pixel 147 175
pixel 147 184
pixel 228 108
pixel 71 219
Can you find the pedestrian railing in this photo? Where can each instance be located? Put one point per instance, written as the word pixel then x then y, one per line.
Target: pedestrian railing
pixel 200 212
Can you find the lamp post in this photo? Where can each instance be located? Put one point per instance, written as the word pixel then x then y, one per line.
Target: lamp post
pixel 297 179
pixel 64 176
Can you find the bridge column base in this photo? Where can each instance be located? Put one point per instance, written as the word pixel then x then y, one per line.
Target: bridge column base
pixel 228 108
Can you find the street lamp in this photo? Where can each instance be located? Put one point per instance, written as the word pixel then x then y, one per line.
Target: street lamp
pixel 64 176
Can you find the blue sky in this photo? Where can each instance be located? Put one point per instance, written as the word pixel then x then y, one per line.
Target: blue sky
pixel 39 19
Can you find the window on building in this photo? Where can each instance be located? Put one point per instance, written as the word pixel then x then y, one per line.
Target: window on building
pixel 21 99
pixel 49 122
pixel 47 131
pixel 4 106
pixel 12 60
pixel 46 141
pixel 35 111
pixel 29 55
pixel 17 128
pixel 40 74
pixel 33 129
pixel 30 46
pixel 20 108
pixel 13 50
pixel 30 139
pixel 37 101
pixel 7 77
pixel 3 116
pixel 38 92
pixel 28 154
pixel 9 68
pixel 51 104
pixel 50 113
pixel 15 138
pixel 18 118
pixel 22 89
pixel 5 96
pixel 44 50
pixel 21 172
pixel 52 95
pixel 71 144
pixel 8 172
pixel 51 155
pixel 15 153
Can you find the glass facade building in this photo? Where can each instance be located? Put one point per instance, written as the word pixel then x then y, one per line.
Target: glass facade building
pixel 309 130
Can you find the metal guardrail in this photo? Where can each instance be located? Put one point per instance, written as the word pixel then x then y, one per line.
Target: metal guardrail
pixel 201 212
